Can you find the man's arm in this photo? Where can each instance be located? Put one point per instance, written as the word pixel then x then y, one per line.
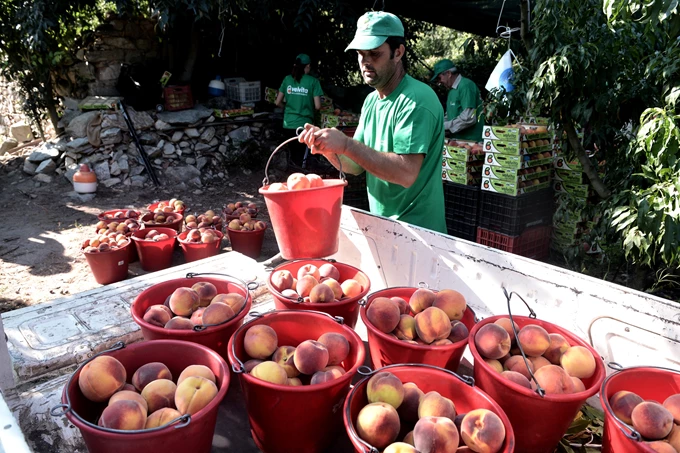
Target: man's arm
pixel 317 102
pixel 279 99
pixel 466 119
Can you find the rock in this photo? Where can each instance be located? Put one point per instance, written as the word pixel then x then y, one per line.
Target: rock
pixel 177 136
pixel 184 144
pixel 182 173
pixel 196 182
pixel 200 147
pixel 210 120
pixel 168 149
pixel 190 116
pixel 222 149
pixel 192 132
pixel 149 138
pixel 115 169
pixel 137 170
pixel 153 152
pixel 137 181
pixel 214 142
pixel 180 187
pixel 123 165
pixel 102 171
pixel 21 132
pixel 78 143
pixel 241 134
pixel 220 174
pixel 201 162
pixel 247 171
pixel 161 126
pixel 190 161
pixel 207 134
pixel 45 152
pixel 66 118
pixel 29 167
pixel 158 161
pixel 93 159
pixel 46 167
pixel 141 120
pixel 70 171
pixel 81 196
pixel 111 182
pixel 69 161
pixel 8 144
pixel 78 125
pixel 111 136
pixel 108 72
pixel 121 43
pixel 41 177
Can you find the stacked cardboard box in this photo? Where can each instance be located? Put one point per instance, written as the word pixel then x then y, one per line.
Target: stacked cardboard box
pixel 462 162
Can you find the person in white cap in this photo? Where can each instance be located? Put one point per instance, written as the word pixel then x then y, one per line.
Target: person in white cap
pixel 400 135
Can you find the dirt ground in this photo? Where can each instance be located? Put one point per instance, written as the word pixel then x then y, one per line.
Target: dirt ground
pixel 43 228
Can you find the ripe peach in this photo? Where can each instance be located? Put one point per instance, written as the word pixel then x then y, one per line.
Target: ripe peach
pixel 534 339
pixel 180 323
pixel 334 286
pixel 309 269
pixel 452 302
pixel 101 378
pixel 554 380
pixel 314 180
pixel 290 293
pixel 351 288
pixel 432 324
pixel 250 364
pixel 217 313
pixel 161 417
pixel 483 431
pixel 196 370
pixel 129 387
pixel 674 437
pixel 406 329
pixel 661 447
pixel 271 372
pixel 337 345
pixel 558 344
pixel 408 438
pixel 672 403
pixel 579 362
pixel 441 342
pixel 297 181
pixel 157 315
pixel 130 396
pixel 159 393
pixel 400 447
pixel 517 378
pixel 150 372
pixel 285 356
pixel 404 308
pixel 432 404
pixel 459 332
pixel 321 293
pixel 278 186
pixel 538 362
pixel 310 356
pixel 435 435
pixel 194 393
pixel 294 382
pixel 282 279
pixel 495 364
pixel 623 403
pixel 652 420
pixel 183 301
pixel 197 317
pixel 579 386
pixel 492 341
pixel 378 424
pixel 507 325
pixel 234 300
pixel 327 270
pixel 408 409
pixel 421 299
pixel 305 285
pixel 325 375
pixel 206 291
pixel 383 313
pixel 123 414
pixel 260 341
pixel 385 387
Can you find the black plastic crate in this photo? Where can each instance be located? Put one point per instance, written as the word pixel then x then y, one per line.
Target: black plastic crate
pixel 512 215
pixel 461 201
pixel 355 193
pixel 461 227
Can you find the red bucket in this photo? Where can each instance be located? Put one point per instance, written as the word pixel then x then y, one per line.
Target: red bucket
pixel 194 251
pixel 154 256
pixel 152 207
pixel 176 224
pixel 348 308
pixel 248 243
pixel 651 384
pixel 109 267
pixel 464 394
pixel 195 436
pixel 215 337
pixel 306 222
pixel 386 350
pixel 132 249
pixel 304 419
pixel 551 415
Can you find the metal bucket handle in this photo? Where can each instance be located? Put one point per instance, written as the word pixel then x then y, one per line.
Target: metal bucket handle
pixel 298 131
pixel 238 368
pixel 532 315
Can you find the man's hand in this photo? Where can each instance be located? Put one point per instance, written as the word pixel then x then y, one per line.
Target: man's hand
pixel 324 141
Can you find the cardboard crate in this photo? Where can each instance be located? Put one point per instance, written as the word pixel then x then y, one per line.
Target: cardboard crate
pixel 460 154
pixel 561 163
pixel 468 179
pixel 270 95
pixel 571 177
pixel 576 190
pixel 512 134
pixel 508 188
pixel 331 120
pixel 511 174
pixel 513 148
pixel 233 113
pixel 516 162
pixel 462 167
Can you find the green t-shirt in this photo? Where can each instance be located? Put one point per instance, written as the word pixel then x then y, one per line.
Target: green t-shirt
pixel 408 121
pixel 465 96
pixel 299 100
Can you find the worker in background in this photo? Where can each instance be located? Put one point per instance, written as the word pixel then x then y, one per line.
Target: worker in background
pixel 463 103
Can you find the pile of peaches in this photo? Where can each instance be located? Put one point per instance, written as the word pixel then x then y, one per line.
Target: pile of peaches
pixel 394 405
pixel 105 242
pixel 201 236
pixel 298 181
pixel 126 227
pixel 311 362
pixel 557 366
pixel 155 236
pixel 246 223
pixel 120 214
pixel 315 284
pixel 206 220
pixel 152 399
pixel 159 218
pixel 173 205
pixel 234 210
pixel 199 305
pixel 428 318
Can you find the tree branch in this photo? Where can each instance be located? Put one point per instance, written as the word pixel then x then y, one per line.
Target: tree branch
pixel 524 32
pixel 588 167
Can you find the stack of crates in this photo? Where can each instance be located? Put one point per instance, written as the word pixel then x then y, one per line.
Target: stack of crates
pixel 461 175
pixel 516 202
pixel 242 91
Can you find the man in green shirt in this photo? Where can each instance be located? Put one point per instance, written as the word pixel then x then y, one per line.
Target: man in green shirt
pixel 463 104
pixel 400 135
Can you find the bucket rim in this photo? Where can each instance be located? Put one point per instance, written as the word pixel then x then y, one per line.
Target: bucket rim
pixel 260 231
pixel 171 232
pixel 101 215
pixel 348 376
pixel 556 398
pixel 181 238
pixel 124 247
pixel 332 183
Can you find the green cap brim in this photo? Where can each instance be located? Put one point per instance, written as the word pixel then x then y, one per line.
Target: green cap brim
pixel 434 77
pixel 366 42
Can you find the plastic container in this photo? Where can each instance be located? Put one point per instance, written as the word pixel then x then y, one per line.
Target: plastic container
pixel 533 242
pixel 216 87
pixel 180 437
pixel 462 392
pixel 386 350
pixel 304 419
pixel 512 215
pixel 355 193
pixel 650 383
pixel 109 267
pixel 550 415
pixel 194 251
pixel 154 256
pixel 347 308
pixel 306 222
pixel 176 224
pixel 461 210
pixel 244 91
pixel 152 207
pixel 85 180
pixel 178 97
pixel 103 216
pixel 248 243
pixel 214 337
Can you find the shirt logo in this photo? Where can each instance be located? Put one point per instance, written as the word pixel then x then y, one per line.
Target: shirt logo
pixel 297 90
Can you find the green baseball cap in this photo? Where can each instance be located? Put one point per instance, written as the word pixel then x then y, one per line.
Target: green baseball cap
pixel 373 29
pixel 441 66
pixel 304 58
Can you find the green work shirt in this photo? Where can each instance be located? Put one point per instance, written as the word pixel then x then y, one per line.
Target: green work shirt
pixel 299 100
pixel 408 121
pixel 465 96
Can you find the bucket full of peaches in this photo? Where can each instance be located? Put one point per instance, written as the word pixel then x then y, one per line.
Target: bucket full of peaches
pixel 173 205
pixel 107 254
pixel 246 234
pixel 126 228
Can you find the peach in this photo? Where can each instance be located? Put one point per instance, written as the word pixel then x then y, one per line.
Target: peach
pixel 161 417
pixel 309 269
pixel 661 447
pixel 305 284
pixel 290 293
pixel 183 301
pixel 293 381
pixel 150 372
pixel 406 329
pixel 385 387
pixel 674 437
pixel 197 316
pixel 130 396
pixel 400 447
pixel 404 308
pixel 672 403
pixel 579 386
pixel 314 180
pixel 384 314
pixel 310 356
pixel 260 341
pixel 340 369
pixel 337 345
pixel 193 394
pixel 452 302
pixel 321 293
pixel 129 387
pixel 235 301
pixel 579 362
pixel 421 299
pixel 285 356
pixel 196 370
pixel 623 403
pixel 507 325
pixel 325 375
pixel 554 380
pixel 441 342
pixel 351 288
pixel 483 431
pixel 517 378
pixel 408 438
pixel 217 313
pixel 652 420
pixel 334 286
pixel 123 414
pixel 281 280
pixel 278 186
pixel 101 378
pixel 435 435
pixel 157 315
pixel 327 270
pixel 495 364
pixel 297 181
pixel 459 332
pixel 538 362
pixel 206 291
pixel 271 372
pixel 378 424
pixel 250 364
pixel 159 393
pixel 180 323
pixel 533 339
pixel 408 409
pixel 492 341
pixel 432 324
pixel 432 404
